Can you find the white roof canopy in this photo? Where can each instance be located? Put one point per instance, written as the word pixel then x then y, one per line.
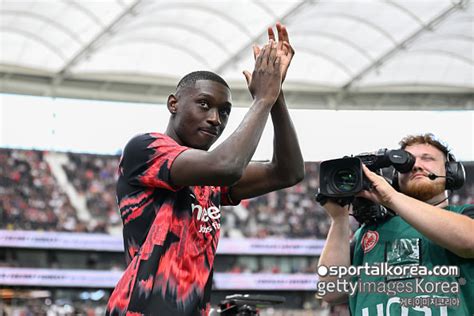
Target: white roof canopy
pixel 393 54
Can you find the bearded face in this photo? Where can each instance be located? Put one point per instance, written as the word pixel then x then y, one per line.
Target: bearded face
pixel 424 190
pixel 416 183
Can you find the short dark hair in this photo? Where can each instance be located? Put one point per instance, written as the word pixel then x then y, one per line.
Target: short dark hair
pixel 191 78
pixel 427 138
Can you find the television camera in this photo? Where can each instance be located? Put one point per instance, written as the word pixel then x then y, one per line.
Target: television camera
pixel 341 179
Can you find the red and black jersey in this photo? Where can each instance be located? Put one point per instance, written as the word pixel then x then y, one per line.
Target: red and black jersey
pixel 170 233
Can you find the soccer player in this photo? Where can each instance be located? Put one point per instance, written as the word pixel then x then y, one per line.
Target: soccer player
pixel 171 186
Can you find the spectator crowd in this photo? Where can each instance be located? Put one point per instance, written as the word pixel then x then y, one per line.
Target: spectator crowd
pixel 32 199
pixel 94 177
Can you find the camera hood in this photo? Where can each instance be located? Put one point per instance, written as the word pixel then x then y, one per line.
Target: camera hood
pixel 341 177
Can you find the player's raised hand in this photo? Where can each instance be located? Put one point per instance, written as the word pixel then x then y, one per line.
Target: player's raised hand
pixel 284 49
pixel 265 82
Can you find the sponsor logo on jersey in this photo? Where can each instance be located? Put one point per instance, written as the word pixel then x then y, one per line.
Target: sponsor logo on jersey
pixel 205 214
pixel 210 215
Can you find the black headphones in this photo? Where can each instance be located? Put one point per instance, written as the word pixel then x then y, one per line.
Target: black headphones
pixel 455 174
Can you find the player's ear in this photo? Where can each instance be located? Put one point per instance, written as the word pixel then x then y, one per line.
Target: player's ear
pixel 171 104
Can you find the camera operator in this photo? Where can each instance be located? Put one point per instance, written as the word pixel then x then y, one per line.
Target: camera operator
pixel 426 231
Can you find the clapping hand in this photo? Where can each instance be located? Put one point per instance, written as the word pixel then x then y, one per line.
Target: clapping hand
pixel 284 50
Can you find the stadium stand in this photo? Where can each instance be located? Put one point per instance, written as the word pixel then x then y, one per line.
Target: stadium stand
pixel 33 199
pixel 75 193
pixel 289 213
pixel 95 177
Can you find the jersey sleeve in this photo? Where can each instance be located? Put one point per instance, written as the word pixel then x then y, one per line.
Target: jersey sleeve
pixel 147 161
pixel 468 210
pixel 225 197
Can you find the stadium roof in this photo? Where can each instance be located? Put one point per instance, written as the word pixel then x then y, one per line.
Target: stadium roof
pixel 393 54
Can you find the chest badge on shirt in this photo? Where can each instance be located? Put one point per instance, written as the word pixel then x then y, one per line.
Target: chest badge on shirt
pixel 369 240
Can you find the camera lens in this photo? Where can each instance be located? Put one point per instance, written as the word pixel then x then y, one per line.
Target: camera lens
pixel 345 180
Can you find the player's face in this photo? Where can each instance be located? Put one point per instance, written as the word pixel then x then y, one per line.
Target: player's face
pixel 416 183
pixel 202 113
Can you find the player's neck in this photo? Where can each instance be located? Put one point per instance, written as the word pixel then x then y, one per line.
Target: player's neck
pixel 172 134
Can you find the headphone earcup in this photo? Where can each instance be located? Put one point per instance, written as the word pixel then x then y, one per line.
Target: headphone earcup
pixel 455 175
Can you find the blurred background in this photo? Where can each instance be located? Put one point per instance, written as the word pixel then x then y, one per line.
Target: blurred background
pixel 78 79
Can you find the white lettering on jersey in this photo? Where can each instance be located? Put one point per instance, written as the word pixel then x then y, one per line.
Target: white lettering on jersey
pixel 204 214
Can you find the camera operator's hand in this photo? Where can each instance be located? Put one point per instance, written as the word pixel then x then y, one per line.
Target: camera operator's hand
pixel 381 192
pixel 334 210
